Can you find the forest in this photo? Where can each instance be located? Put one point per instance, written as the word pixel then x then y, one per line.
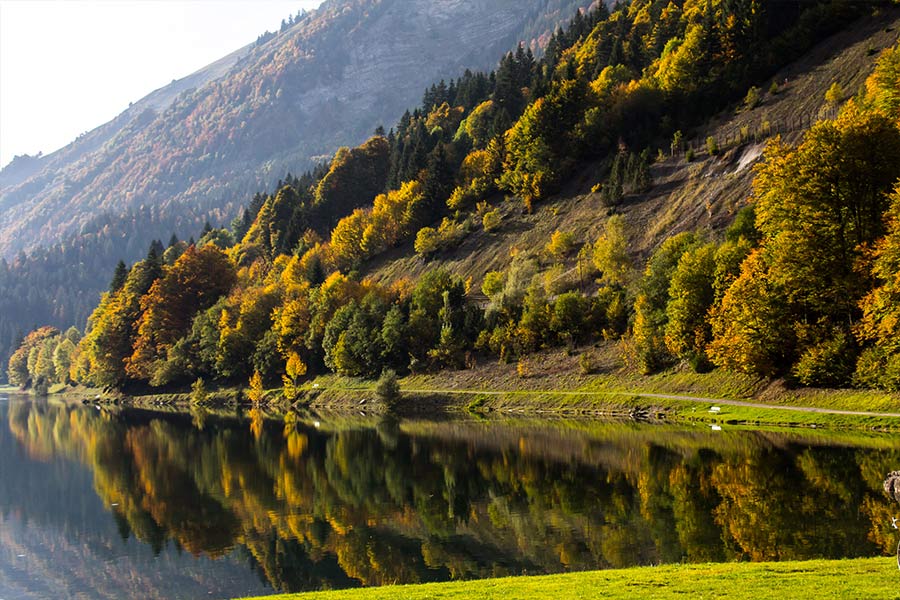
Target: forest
pixel 803 285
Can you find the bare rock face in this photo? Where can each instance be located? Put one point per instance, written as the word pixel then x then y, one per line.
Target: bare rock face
pixel 199 148
pixel 892 485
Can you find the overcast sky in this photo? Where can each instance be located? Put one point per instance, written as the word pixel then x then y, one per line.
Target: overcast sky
pixel 67 66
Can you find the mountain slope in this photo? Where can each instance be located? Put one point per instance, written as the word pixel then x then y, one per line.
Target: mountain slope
pixel 329 80
pixel 703 194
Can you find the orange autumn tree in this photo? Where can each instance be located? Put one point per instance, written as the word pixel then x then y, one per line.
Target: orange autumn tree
pixel 198 278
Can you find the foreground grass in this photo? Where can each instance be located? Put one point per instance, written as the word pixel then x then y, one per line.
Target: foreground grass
pixel 870 578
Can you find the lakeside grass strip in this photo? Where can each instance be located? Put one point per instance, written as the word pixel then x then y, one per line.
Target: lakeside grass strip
pixel 868 578
pixel 676 407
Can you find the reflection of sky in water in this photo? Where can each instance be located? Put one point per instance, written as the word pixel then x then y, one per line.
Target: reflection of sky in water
pixel 39 562
pixel 57 540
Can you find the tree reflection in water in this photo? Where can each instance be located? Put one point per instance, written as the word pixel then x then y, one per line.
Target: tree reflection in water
pixel 372 503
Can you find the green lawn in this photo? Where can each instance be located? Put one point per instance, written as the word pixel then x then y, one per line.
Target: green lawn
pixel 869 578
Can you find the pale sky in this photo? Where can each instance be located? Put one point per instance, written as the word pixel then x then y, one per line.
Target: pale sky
pixel 67 66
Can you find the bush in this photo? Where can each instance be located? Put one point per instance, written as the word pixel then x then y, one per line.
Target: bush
pixel 523 370
pixel 752 99
pixel 826 364
pixel 588 363
pixel 689 155
pixel 491 220
pixel 199 394
pixel 834 94
pixel 560 245
pixel 388 389
pixel 712 146
pixel 877 368
pixel 426 241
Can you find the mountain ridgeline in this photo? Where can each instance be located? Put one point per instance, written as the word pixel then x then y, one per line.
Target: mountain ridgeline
pixel 802 285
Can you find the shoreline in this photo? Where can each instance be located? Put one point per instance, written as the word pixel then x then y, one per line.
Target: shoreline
pixel 553 385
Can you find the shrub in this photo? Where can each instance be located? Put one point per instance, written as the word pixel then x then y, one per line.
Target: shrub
pixel 588 363
pixel 828 363
pixel 689 155
pixel 491 220
pixel 523 369
pixel 877 368
pixel 256 391
pixel 752 99
pixel 199 394
pixel 493 283
pixel 712 146
pixel 560 245
pixel 834 94
pixel 388 389
pixel 426 241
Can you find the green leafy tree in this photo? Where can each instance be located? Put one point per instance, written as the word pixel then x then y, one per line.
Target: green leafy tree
pixel 610 255
pixel 653 299
pixel 691 294
pixel 541 145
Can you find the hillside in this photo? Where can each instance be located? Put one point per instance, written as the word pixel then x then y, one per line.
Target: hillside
pixel 197 149
pixel 703 194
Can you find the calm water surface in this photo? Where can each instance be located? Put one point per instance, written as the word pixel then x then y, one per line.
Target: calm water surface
pixel 130 503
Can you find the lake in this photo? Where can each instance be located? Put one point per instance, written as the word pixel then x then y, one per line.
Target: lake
pixel 115 502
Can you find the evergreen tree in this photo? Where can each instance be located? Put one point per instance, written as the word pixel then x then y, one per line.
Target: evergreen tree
pixel 118 279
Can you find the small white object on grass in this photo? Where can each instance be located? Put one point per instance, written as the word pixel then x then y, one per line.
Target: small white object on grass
pixel 716 427
pixel 715 409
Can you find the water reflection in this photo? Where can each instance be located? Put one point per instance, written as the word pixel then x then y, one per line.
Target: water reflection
pixel 351 503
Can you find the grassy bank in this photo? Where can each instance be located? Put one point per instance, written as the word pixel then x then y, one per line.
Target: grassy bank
pixel 871 578
pixel 553 382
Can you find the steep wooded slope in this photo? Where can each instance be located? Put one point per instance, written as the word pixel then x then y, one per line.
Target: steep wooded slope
pixel 703 194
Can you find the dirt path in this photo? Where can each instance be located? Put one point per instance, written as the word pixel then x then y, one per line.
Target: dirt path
pixel 711 401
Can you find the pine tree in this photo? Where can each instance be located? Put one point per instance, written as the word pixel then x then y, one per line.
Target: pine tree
pixel 119 276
